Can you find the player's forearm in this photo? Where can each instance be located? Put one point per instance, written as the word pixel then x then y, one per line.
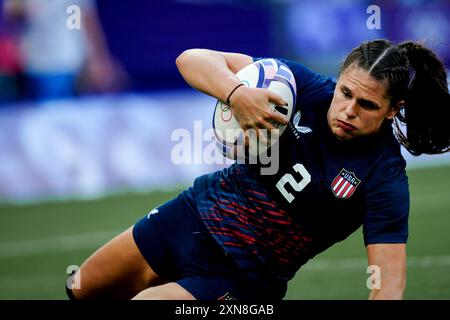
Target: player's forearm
pixel 386 294
pixel 392 288
pixel 208 72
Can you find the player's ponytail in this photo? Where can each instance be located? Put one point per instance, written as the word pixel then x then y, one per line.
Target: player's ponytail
pixel 427 103
pixel 415 75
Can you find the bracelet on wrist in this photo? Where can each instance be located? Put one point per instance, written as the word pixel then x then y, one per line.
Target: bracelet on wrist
pixel 232 91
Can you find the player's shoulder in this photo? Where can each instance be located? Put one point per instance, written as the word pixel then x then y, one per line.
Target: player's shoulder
pixel 309 77
pixel 390 165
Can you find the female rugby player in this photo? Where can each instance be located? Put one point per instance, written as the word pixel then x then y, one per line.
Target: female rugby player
pixel 237 234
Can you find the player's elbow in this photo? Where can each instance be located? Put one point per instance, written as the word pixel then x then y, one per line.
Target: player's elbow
pixel 186 57
pixel 181 59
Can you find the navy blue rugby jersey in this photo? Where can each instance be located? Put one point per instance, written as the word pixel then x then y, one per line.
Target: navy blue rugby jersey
pixel 323 191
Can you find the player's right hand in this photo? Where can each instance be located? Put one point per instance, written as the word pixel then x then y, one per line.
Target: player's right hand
pixel 251 108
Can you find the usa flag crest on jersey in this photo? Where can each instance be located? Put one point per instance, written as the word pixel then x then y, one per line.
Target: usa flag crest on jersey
pixel 345 184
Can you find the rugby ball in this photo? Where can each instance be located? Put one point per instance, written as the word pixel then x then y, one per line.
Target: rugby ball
pixel 269 74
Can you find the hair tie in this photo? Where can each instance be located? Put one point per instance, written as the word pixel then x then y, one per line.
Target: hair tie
pixel 232 91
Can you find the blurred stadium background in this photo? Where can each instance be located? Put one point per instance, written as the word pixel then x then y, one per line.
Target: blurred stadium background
pixel 86 117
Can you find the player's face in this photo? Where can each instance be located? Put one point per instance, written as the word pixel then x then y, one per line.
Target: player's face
pixel 359 105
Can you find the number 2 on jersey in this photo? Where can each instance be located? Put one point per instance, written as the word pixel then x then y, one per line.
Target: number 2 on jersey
pixel 297 186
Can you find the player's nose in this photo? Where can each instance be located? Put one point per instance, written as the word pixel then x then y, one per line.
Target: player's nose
pixel 351 110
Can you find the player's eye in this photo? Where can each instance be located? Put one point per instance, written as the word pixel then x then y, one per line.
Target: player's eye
pixel 346 93
pixel 368 105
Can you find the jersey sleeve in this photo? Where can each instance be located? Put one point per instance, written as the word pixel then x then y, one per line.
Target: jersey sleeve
pixel 387 208
pixel 311 86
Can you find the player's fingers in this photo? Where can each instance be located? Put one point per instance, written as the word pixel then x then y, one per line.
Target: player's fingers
pixel 262 136
pixel 275 98
pixel 273 133
pixel 266 125
pixel 277 117
pixel 255 136
pixel 264 132
pixel 247 137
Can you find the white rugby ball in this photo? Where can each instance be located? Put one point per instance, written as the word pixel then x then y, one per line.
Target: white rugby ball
pixel 268 74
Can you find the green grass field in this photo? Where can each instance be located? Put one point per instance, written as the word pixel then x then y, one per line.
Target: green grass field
pixel 38 242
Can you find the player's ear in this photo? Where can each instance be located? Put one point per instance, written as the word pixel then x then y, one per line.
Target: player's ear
pixel 394 109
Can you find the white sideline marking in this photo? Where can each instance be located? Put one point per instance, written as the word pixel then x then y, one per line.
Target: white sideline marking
pixel 96 239
pixel 361 263
pixel 56 244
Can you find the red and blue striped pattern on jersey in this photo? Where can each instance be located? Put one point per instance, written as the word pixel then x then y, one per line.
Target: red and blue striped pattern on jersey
pixel 247 223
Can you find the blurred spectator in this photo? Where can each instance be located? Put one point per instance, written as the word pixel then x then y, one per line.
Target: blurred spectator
pixel 10 64
pixel 58 61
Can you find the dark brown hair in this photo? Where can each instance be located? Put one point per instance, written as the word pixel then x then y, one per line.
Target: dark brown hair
pixel 415 74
